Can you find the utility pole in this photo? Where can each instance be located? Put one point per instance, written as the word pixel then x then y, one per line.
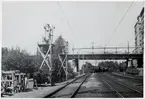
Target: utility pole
pixel 92 47
pixel 83 63
pixel 116 50
pixel 73 49
pixel 51 40
pixel 78 61
pixel 104 48
pixel 128 47
pixel 66 69
pixel 66 60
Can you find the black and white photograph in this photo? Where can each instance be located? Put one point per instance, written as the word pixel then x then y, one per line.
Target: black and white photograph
pixel 72 49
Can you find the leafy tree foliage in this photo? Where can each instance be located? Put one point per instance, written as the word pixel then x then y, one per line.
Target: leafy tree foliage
pixel 88 68
pixel 112 66
pixel 59 46
pixel 71 73
pixel 104 66
pixel 58 72
pixel 16 59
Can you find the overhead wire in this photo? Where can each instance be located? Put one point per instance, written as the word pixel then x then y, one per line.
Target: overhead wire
pixel 65 18
pixel 132 39
pixel 119 23
pixel 138 33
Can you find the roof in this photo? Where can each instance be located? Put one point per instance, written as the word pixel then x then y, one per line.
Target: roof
pixel 11 71
pixel 142 11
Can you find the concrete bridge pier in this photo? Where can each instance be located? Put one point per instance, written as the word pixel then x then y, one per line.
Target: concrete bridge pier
pixel 137 63
pixel 127 62
pixel 140 63
pixel 76 64
pixel 140 66
pixel 130 63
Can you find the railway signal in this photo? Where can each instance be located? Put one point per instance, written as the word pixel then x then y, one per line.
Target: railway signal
pixel 45 49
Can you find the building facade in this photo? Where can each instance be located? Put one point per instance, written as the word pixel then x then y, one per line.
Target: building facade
pixel 139 33
pixel 139 42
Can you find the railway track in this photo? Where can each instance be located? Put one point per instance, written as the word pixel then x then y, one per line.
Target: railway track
pixel 122 90
pixel 65 91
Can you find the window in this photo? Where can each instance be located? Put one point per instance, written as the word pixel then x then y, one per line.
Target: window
pixel 140 44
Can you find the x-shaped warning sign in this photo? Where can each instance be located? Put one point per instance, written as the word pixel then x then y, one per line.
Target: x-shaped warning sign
pixel 62 63
pixel 45 56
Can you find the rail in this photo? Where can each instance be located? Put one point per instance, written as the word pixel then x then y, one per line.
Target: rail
pixel 131 90
pixel 69 83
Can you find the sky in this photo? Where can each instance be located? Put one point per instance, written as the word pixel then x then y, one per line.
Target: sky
pixel 23 23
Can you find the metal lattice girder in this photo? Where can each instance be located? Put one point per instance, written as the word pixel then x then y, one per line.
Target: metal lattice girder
pixel 103 56
pixel 44 58
pixel 62 63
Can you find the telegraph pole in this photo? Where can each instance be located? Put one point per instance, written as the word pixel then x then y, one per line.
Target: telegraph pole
pixel 83 63
pixel 73 49
pixel 92 47
pixel 51 40
pixel 66 60
pixel 128 47
pixel 78 61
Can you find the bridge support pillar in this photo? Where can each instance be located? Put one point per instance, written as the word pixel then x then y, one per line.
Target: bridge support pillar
pixel 140 66
pixel 66 68
pixel 140 63
pixel 131 63
pixel 134 62
pixel 76 64
pixel 127 61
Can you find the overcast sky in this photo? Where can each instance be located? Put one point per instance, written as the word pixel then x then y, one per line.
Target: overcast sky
pixel 90 22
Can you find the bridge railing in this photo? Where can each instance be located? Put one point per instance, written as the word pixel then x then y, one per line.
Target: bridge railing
pixel 107 50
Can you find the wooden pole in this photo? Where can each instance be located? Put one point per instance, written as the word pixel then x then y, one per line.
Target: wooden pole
pixel 104 50
pixel 128 47
pixel 50 59
pixel 92 47
pixel 66 68
pixel 83 63
pixel 66 61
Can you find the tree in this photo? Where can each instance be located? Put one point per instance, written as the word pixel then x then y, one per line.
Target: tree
pixel 16 59
pixel 113 66
pixel 59 48
pixel 70 71
pixel 13 59
pixel 88 68
pixel 122 66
